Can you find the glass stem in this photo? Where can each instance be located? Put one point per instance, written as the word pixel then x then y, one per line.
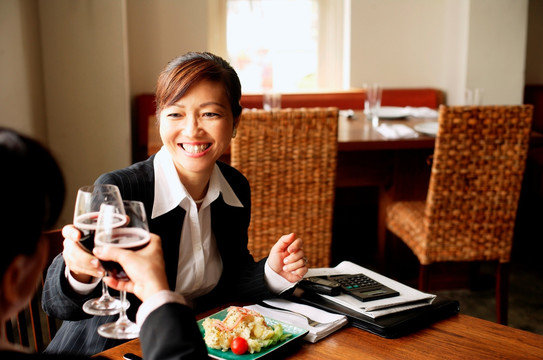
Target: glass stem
pixel 122 315
pixel 105 292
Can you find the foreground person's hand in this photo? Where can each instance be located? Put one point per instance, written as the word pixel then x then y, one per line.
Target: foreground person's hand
pixel 144 267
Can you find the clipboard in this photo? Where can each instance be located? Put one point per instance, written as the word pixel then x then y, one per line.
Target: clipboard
pixel 389 326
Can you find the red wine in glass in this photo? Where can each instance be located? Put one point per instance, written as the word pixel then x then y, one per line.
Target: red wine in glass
pixel 127 238
pixel 86 223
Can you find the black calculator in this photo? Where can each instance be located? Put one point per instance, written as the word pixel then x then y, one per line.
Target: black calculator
pixel 363 287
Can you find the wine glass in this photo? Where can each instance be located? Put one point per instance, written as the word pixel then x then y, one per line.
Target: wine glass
pixel 87 207
pixel 133 235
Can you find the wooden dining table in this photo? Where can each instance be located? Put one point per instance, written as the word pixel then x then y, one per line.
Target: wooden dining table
pixel 458 337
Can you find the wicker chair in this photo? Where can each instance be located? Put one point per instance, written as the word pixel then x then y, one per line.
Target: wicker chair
pixel 470 210
pixel 289 157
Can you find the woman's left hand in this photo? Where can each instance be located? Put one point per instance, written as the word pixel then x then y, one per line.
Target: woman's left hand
pixel 287 258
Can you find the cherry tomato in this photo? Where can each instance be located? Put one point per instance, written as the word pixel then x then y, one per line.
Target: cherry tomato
pixel 239 345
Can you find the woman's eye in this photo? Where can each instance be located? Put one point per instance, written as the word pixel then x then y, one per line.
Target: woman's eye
pixel 210 114
pixel 174 115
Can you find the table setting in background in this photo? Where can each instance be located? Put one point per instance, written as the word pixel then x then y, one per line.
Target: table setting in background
pixel 404 131
pixel 380 117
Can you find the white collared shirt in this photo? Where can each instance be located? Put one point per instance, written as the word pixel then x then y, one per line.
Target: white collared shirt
pixel 200 265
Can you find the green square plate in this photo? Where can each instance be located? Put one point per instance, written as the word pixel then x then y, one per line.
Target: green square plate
pixel 295 332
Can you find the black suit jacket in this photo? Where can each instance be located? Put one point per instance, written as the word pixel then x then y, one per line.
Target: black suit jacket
pixel 169 332
pixel 242 277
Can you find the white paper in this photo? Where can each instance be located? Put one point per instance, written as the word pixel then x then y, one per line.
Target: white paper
pixel 329 322
pixel 396 131
pixel 422 112
pixel 409 297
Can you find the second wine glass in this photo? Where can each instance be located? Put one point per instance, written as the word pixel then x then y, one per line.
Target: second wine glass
pixel 134 235
pixel 87 207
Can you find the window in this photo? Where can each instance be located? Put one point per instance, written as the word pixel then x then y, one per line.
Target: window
pixel 284 45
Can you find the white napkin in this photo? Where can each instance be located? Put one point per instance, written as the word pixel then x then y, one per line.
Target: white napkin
pixel 396 131
pixel 422 112
pixel 409 297
pixel 329 322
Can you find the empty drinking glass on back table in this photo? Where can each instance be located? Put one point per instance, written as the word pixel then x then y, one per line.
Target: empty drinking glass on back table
pixel 87 207
pixel 372 105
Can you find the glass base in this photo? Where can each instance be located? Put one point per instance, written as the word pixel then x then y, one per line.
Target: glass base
pixel 121 329
pixel 103 306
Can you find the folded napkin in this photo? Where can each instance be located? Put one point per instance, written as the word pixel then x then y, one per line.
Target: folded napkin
pixel 328 322
pixel 396 131
pixel 422 112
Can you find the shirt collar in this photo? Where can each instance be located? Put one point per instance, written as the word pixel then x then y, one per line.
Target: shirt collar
pixel 169 191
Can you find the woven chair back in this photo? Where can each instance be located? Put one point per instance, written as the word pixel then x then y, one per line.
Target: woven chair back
pixel 289 157
pixel 477 171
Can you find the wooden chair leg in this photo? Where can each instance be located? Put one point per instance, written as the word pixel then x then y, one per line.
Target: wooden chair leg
pixel 22 328
pixel 36 325
pixel 502 293
pixel 383 202
pixel 9 331
pixel 474 270
pixel 424 275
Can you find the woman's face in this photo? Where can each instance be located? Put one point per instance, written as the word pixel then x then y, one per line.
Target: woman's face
pixel 198 128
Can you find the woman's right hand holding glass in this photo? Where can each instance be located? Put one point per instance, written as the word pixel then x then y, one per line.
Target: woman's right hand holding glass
pixel 83 265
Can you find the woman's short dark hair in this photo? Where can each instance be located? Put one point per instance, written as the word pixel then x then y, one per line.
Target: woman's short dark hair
pixel 188 69
pixel 33 193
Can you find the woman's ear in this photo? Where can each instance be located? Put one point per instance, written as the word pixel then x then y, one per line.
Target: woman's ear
pixel 236 123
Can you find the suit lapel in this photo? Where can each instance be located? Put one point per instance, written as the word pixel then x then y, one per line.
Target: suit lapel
pixel 170 240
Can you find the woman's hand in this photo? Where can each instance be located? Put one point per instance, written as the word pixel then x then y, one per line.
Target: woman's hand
pixel 144 267
pixel 287 258
pixel 82 264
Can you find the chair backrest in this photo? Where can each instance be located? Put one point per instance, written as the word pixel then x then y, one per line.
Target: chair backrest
pixel 477 171
pixel 32 327
pixel 289 157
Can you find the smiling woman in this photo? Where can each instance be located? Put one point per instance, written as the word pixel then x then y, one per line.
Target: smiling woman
pixel 200 207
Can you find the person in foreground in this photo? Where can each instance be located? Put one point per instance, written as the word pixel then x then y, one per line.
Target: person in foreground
pixel 168 327
pixel 199 206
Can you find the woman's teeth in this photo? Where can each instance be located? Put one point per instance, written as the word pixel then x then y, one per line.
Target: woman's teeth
pixel 195 149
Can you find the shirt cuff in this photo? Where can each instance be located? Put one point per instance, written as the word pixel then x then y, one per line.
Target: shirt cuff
pixel 155 301
pixel 276 283
pixel 79 287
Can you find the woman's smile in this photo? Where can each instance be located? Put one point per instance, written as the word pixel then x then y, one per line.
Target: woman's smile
pixel 197 149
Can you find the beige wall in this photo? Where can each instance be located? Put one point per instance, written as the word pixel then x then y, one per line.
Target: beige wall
pixel 447 44
pixel 69 68
pixel 158 32
pixel 87 96
pixel 21 77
